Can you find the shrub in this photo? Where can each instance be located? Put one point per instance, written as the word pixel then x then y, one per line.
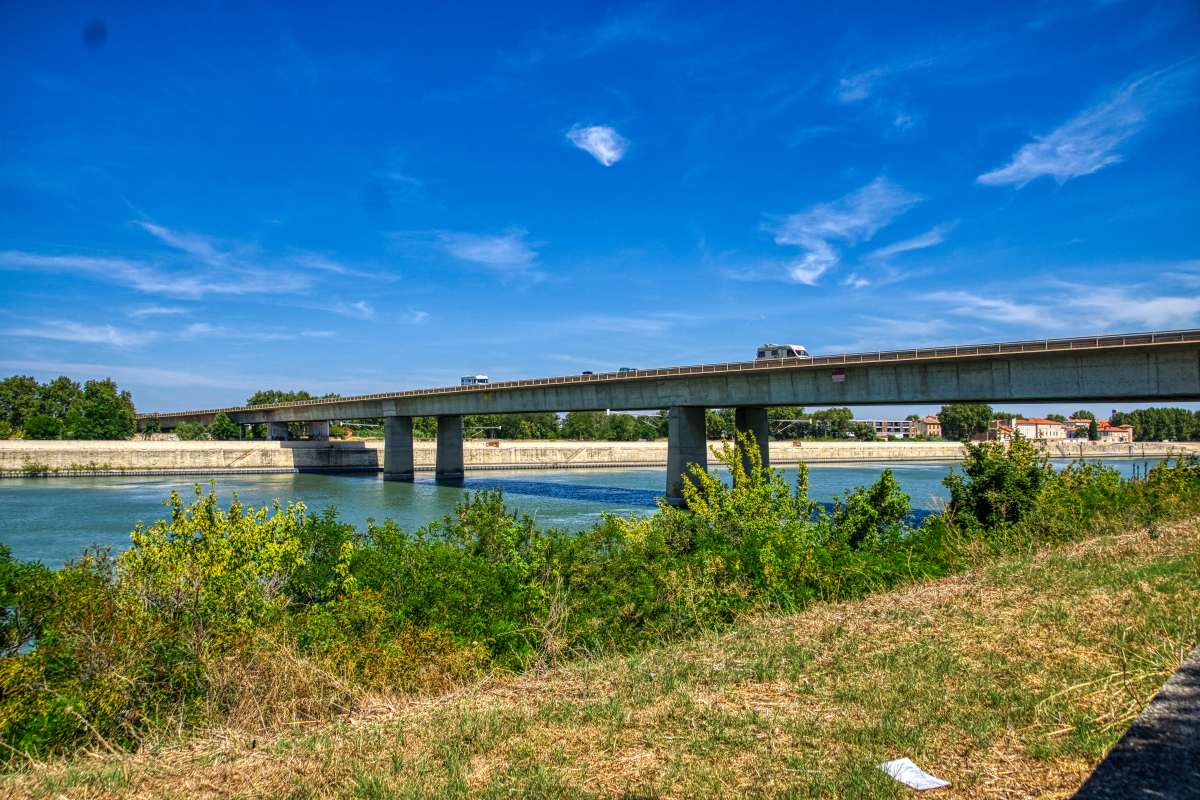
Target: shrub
pixel 43 427
pixel 152 425
pixel 191 431
pixel 224 429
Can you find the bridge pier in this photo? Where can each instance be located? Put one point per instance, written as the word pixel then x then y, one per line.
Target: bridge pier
pixel 686 444
pixel 397 448
pixel 318 431
pixel 277 431
pixel 754 420
pixel 449 449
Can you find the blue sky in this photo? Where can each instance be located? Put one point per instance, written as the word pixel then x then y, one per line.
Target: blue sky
pixel 205 200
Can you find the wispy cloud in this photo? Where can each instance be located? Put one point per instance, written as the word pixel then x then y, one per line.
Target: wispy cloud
pixel 1088 141
pixel 151 311
pixel 67 331
pixel 1099 309
pixel 933 236
pixel 859 86
pixel 850 219
pixel 506 253
pixel 362 309
pixel 604 143
pixel 199 266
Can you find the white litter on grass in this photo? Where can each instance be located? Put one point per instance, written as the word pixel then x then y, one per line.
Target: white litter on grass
pixel 908 773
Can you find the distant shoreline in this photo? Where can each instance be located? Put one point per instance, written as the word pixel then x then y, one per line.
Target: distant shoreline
pixel 21 458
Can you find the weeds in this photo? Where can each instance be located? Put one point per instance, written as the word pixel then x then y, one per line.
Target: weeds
pixel 265 619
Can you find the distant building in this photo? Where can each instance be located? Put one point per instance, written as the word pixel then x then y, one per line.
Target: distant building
pixel 1037 429
pixel 928 426
pixel 900 428
pixel 1077 428
pixel 1114 433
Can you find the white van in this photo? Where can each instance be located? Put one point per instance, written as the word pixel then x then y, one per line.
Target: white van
pixel 473 379
pixel 783 351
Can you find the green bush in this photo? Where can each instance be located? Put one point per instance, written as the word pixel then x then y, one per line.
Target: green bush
pixel 253 616
pixel 191 431
pixel 224 429
pixel 43 427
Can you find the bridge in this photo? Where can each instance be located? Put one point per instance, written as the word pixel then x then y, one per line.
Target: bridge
pixel 1157 367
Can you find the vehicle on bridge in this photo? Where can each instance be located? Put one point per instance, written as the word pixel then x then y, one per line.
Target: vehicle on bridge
pixel 783 351
pixel 473 379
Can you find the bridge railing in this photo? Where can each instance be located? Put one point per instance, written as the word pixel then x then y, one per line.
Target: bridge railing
pixel 882 356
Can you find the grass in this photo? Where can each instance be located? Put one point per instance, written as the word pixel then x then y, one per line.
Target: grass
pixel 1012 680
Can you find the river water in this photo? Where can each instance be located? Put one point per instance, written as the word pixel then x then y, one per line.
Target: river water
pixel 53 519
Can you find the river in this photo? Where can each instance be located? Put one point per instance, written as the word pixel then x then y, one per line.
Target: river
pixel 54 519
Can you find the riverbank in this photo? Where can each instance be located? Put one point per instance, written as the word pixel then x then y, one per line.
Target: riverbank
pixel 79 458
pixel 1012 680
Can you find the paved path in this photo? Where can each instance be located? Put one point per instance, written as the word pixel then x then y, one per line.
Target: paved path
pixel 1159 756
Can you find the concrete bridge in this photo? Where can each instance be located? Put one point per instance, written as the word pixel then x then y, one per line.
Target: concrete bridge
pixel 1155 367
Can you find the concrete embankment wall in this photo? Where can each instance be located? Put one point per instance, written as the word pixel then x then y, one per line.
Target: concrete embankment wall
pixel 87 457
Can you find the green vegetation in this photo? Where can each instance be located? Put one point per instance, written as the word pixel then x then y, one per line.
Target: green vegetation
pixel 962 420
pixel 224 429
pixel 63 409
pixel 152 425
pixel 191 431
pixel 1157 424
pixel 267 617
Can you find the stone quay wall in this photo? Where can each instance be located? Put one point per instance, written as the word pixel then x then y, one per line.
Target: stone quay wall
pixel 89 457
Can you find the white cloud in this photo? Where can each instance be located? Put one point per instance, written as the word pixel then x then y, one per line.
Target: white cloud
pixel 1087 142
pixel 196 330
pixel 1097 310
pixel 933 236
pixel 150 311
pixel 362 309
pixel 859 87
pixel 507 253
pixel 854 280
pixel 604 143
pixel 851 219
pixel 64 330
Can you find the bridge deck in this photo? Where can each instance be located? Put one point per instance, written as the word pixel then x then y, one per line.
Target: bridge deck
pixel 1152 341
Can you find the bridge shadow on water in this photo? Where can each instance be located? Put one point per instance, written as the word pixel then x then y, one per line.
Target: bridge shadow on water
pixel 608 495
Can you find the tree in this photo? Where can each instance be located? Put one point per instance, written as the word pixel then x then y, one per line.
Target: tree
pixel 43 427
pixel 224 429
pixel 152 425
pixel 863 431
pixel 583 425
pixel 1093 431
pixel 190 431
pixel 1056 418
pixel 59 396
pixel 961 420
pixel 1008 415
pixel 719 423
pixel 913 418
pixel 18 400
pixel 835 422
pixel 104 412
pixel 1083 414
pixel 1151 424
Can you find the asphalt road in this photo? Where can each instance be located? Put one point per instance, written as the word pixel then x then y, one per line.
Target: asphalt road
pixel 1159 756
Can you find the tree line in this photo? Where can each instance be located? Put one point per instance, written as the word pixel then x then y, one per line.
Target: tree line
pixel 63 409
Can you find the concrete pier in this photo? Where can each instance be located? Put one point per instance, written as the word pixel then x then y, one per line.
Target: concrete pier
pixel 449 449
pixel 398 459
pixel 754 420
pixel 686 445
pixel 277 431
pixel 318 431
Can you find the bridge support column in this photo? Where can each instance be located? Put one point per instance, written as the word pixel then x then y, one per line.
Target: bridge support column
pixel 277 431
pixel 318 431
pixel 754 420
pixel 397 448
pixel 686 445
pixel 449 449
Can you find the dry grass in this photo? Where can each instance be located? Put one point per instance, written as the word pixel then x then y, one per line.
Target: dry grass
pixel 1011 681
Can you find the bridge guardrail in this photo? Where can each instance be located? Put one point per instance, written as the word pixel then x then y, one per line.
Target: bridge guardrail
pixel 882 356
